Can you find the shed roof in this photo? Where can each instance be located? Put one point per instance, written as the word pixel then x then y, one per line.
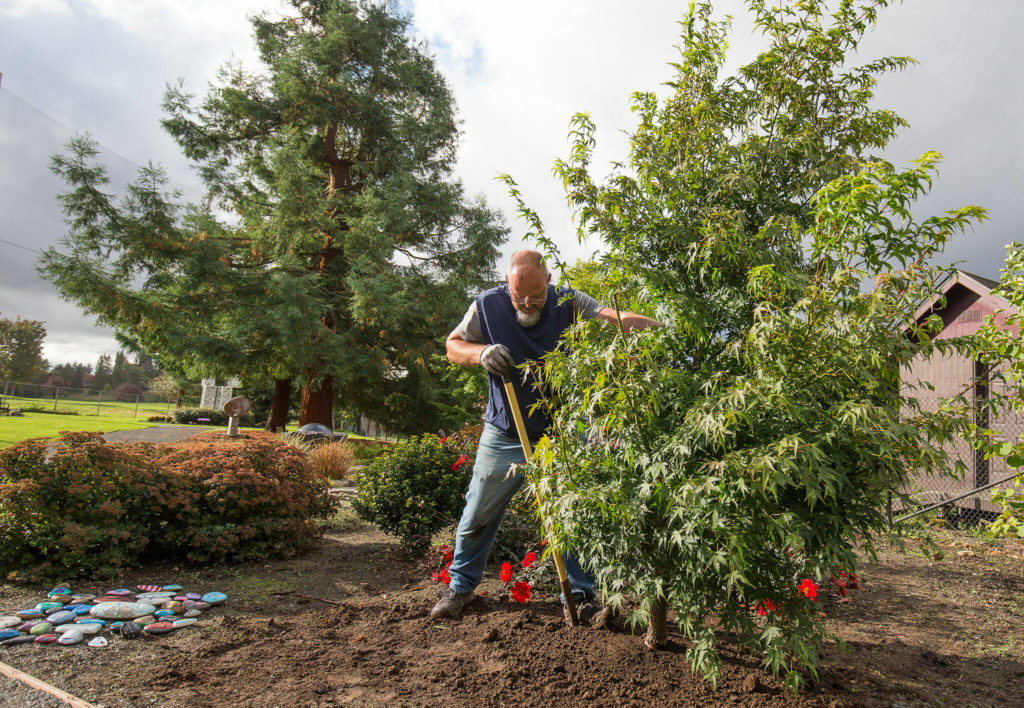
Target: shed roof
pixel 976 284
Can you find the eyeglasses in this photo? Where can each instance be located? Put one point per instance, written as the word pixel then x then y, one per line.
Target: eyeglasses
pixel 527 301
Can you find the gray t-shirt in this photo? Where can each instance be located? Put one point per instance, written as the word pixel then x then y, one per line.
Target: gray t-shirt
pixel 469 329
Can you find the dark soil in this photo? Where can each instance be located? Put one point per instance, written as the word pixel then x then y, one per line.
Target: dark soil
pixel 921 632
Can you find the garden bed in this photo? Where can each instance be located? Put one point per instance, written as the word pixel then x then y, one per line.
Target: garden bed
pixel 921 632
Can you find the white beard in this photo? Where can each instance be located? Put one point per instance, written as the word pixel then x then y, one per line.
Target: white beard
pixel 528 320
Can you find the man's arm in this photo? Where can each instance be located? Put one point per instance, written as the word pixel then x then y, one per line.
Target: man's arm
pixel 462 352
pixel 630 320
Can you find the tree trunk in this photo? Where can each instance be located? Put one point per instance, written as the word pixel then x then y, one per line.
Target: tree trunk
pixel 318 403
pixel 278 417
pixel 657 629
pixel 177 398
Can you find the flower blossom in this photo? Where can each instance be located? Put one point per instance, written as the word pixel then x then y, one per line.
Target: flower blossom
pixel 529 559
pixel 764 607
pixel 458 462
pixel 521 591
pixel 809 589
pixel 506 572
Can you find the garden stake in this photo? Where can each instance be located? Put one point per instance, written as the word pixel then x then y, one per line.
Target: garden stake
pixel 563 575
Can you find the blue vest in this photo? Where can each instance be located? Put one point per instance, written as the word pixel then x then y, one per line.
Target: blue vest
pixel 498 325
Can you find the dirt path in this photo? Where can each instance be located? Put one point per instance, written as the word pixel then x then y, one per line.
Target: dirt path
pixel 159 434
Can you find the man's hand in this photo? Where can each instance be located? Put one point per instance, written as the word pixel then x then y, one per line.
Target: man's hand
pixel 497 360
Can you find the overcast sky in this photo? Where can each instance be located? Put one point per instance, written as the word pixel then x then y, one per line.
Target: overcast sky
pixel 518 70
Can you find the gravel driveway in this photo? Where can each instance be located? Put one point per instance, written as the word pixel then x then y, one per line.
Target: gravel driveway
pixel 159 434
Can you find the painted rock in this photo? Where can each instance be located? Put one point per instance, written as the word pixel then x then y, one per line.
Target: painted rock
pixel 47 606
pixel 155 601
pixel 91 620
pixel 72 636
pixel 62 617
pixel 28 625
pixel 41 628
pixel 214 598
pixel 120 591
pixel 82 599
pixel 178 624
pixel 191 613
pixel 62 586
pixel 9 621
pixel 175 606
pixel 46 639
pixel 116 626
pixel 8 633
pixel 98 642
pixel 21 639
pixel 59 592
pixel 197 605
pixel 80 609
pixel 111 598
pixel 193 596
pixel 155 593
pixel 159 628
pixel 171 587
pixel 164 613
pixel 121 610
pixel 131 630
pixel 148 619
pixel 30 614
pixel 83 628
pixel 149 588
pixel 180 598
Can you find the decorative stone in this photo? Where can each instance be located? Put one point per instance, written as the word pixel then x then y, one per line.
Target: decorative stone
pixel 46 639
pixel 171 587
pixel 47 606
pixel 193 596
pixel 41 628
pixel 112 598
pixel 82 599
pixel 72 636
pixel 178 624
pixel 8 633
pixel 62 617
pixel 164 613
pixel 59 592
pixel 121 610
pixel 190 605
pixel 62 586
pixel 30 614
pixel 149 588
pixel 83 628
pixel 116 626
pixel 191 613
pixel 91 620
pixel 148 619
pixel 155 601
pixel 98 642
pixel 157 593
pixel 29 625
pixel 159 628
pixel 20 639
pixel 175 606
pixel 79 609
pixel 214 598
pixel 120 591
pixel 131 630
pixel 9 621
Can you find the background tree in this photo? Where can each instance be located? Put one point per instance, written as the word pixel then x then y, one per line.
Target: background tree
pixel 354 248
pixel 21 349
pixel 750 445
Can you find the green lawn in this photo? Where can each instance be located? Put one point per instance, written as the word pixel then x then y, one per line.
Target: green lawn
pixel 90 406
pixel 42 425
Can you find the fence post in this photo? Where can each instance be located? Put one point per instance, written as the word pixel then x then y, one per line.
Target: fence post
pixel 136 414
pixel 99 398
pixel 56 393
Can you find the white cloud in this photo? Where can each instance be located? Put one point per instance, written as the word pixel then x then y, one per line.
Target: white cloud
pixel 24 8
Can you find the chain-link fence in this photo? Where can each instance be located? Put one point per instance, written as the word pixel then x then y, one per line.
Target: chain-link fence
pixel 968 495
pixel 28 397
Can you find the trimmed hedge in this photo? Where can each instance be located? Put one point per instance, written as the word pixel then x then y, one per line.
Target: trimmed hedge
pixel 190 416
pixel 98 507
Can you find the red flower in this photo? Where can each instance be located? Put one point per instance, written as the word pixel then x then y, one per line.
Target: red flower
pixel 521 591
pixel 764 607
pixel 458 462
pixel 543 542
pixel 809 589
pixel 528 559
pixel 441 577
pixel 444 440
pixel 506 572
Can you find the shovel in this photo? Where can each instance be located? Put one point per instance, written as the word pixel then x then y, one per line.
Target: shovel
pixel 563 575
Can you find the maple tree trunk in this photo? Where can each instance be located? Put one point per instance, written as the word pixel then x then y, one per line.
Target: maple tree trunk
pixel 318 403
pixel 278 418
pixel 657 628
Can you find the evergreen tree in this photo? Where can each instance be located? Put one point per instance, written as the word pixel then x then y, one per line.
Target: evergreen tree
pixel 21 349
pixel 354 248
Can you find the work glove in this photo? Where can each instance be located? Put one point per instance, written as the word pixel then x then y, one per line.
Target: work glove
pixel 497 360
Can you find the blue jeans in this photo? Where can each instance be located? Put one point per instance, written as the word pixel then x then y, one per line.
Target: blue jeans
pixel 490 492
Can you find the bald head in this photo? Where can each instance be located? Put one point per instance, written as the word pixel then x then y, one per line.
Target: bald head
pixel 527 280
pixel 529 260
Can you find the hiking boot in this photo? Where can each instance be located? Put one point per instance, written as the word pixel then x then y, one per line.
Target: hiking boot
pixel 451 603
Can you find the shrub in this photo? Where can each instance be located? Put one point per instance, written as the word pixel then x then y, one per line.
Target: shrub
pixel 160 419
pixel 84 508
pixel 48 410
pixel 92 506
pixel 416 488
pixel 190 416
pixel 329 461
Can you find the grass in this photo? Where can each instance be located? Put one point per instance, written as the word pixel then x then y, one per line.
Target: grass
pixel 41 425
pixel 87 407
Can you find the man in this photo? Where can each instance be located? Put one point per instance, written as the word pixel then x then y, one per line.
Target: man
pixel 504 327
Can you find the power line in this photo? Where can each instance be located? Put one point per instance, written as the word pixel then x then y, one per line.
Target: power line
pixel 18 245
pixel 69 129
